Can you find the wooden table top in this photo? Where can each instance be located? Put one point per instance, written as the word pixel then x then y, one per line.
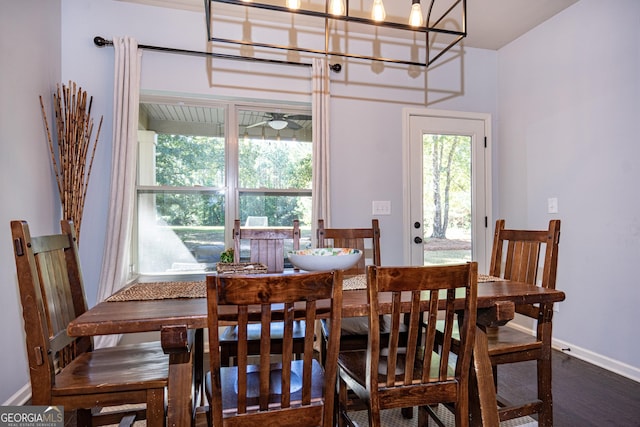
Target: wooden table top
pixel 151 315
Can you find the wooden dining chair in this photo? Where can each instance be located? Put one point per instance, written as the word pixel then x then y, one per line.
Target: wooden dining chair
pixel 266 246
pixel 68 371
pixel 365 239
pixel 412 374
pixel 353 334
pixel 294 393
pixel 529 256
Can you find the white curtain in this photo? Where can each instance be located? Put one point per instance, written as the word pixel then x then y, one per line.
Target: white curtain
pixel 320 208
pixel 115 263
pixel 320 110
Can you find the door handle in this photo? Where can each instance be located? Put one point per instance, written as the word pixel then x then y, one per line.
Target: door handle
pixel 417 239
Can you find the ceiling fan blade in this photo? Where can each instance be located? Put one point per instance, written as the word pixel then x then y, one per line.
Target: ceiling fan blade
pixel 293 125
pixel 299 117
pixel 258 124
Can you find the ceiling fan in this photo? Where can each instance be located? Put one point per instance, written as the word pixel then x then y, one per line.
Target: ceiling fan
pixel 280 121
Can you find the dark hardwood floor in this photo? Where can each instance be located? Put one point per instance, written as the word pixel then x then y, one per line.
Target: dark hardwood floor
pixel 583 394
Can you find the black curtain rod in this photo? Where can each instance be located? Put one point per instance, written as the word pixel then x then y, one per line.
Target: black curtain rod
pixel 101 42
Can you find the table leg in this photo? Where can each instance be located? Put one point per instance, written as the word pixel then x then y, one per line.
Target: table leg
pixel 198 367
pixel 482 391
pixel 177 341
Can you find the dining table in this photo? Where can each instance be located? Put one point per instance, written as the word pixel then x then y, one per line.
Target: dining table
pixel 181 318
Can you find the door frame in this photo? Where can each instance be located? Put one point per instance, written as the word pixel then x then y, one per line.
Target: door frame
pixel 407 113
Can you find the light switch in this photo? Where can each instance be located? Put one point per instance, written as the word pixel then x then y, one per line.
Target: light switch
pixel 552 205
pixel 381 207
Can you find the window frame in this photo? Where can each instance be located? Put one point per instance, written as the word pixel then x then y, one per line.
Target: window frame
pixel 230 189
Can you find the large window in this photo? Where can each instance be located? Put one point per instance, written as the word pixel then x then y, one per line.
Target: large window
pixel 201 166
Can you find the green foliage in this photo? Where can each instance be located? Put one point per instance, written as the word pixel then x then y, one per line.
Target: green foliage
pixel 188 161
pixel 274 165
pixel 447 172
pixel 227 255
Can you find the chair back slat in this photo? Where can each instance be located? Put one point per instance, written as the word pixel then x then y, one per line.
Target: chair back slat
pixel 263 385
pixel 365 239
pixel 429 337
pixel 243 320
pixel 265 357
pixel 56 289
pixel 287 353
pixel 266 245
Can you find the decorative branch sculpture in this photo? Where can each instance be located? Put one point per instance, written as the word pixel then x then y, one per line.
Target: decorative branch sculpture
pixel 70 157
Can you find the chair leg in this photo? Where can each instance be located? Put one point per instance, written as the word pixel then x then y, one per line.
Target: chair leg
pixel 544 392
pixel 494 368
pixel 225 356
pixel 462 414
pixel 423 416
pixel 323 349
pixel 427 413
pixel 83 418
pixel 155 408
pixel 407 413
pixel 342 403
pixel 374 416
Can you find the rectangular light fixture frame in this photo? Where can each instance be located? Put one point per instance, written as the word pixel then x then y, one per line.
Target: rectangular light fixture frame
pixel 427 30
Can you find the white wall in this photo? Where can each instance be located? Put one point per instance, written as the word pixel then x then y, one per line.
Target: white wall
pixel 569 101
pixel 366 117
pixel 30 67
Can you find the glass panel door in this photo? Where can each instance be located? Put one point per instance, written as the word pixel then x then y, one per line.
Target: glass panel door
pixel 449 197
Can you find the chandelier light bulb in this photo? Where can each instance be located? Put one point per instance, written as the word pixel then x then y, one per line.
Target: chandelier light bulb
pixel 293 4
pixel 336 7
pixel 377 11
pixel 415 17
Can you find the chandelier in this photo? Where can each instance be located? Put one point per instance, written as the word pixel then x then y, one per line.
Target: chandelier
pixel 334 11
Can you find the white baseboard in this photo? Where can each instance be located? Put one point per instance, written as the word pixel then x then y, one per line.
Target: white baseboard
pixel 20 397
pixel 604 362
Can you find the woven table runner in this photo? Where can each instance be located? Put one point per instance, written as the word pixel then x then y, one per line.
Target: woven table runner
pixel 174 290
